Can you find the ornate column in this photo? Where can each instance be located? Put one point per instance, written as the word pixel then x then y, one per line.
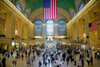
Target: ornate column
pixel 77 24
pixel 56 29
pixel 44 30
pixel 10 25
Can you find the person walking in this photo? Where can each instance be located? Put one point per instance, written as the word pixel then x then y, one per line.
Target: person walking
pixel 0 62
pixel 64 55
pixel 75 59
pixel 34 57
pixel 82 62
pixel 4 62
pixel 40 64
pixel 88 60
pixel 49 59
pixel 15 61
pixel 28 61
pixel 98 54
pixel 91 60
pixel 22 56
pixel 11 53
pixel 67 59
pixel 32 60
pixel 78 64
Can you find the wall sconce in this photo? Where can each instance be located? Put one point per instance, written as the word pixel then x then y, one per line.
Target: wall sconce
pixel 16 32
pixel 84 35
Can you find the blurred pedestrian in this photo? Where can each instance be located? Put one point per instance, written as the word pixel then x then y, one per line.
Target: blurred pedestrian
pixel 82 62
pixel 4 62
pixel 32 60
pixel 0 62
pixel 91 60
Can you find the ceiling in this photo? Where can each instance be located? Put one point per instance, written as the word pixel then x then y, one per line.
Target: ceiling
pixel 36 4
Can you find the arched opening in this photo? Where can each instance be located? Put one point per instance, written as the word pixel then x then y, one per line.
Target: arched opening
pixel 62 28
pixel 38 28
pixel 50 28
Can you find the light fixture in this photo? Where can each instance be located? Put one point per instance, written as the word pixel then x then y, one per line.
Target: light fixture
pixel 13 43
pixel 83 46
pixel 22 42
pixel 16 32
pixel 92 47
pixel 84 35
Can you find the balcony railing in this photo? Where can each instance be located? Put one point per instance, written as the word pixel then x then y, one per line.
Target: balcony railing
pixel 77 41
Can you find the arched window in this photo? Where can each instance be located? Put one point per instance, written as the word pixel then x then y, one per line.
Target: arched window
pixel 26 14
pixel 81 5
pixel 38 28
pixel 74 13
pixel 19 7
pixel 50 28
pixel 62 28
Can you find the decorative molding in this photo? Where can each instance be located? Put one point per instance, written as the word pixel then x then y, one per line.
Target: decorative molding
pixel 39 12
pixel 22 3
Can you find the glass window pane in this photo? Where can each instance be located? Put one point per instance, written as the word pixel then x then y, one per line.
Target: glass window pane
pixel 81 6
pixel 74 13
pixel 38 28
pixel 19 7
pixel 26 14
pixel 50 28
pixel 62 28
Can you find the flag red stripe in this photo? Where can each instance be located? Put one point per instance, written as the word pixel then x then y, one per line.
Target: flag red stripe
pixel 56 8
pixel 43 12
pixel 52 9
pixel 47 13
pixel 94 26
pixel 50 13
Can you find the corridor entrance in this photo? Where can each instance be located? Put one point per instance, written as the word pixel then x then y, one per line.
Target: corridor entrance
pixel 50 43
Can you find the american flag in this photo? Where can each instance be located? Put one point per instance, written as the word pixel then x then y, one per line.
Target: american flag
pixel 93 26
pixel 49 9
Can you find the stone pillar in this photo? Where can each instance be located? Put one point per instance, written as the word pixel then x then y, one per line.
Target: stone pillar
pixel 10 26
pixel 70 30
pixel 80 29
pixel 43 30
pixel 74 31
pixel 26 30
pixel 13 26
pixel 56 30
pixel 20 27
pixel 29 31
pixel 77 24
pixel 86 28
pixel 33 30
pixel 22 35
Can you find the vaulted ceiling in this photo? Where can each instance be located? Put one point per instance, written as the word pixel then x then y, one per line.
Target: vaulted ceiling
pixel 64 4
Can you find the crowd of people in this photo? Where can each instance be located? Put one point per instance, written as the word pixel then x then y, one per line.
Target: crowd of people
pixel 57 58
